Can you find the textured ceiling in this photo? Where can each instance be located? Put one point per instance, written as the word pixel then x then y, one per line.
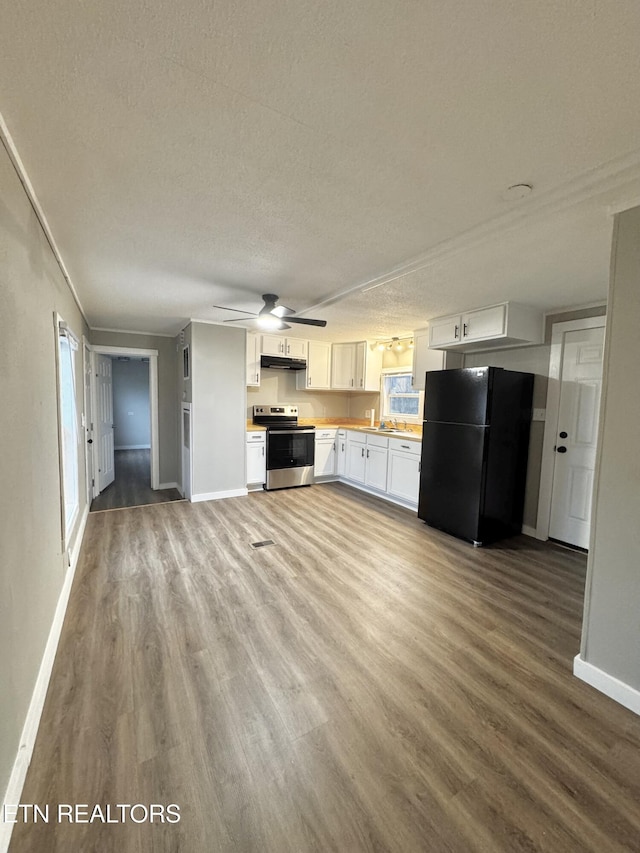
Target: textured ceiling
pixel 194 153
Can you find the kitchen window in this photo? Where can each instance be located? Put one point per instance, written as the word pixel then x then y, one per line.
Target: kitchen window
pixel 398 399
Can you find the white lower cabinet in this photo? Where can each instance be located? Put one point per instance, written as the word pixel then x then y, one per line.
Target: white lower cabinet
pixel 325 453
pixel 341 452
pixel 403 473
pixel 256 459
pixel 376 462
pixel 388 466
pixel 356 459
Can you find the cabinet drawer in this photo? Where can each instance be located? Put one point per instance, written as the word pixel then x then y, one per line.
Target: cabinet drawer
pixel 326 433
pixel 377 440
pixel 406 446
pixel 255 437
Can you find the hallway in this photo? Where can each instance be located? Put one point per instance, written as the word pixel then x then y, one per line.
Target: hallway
pixel 132 484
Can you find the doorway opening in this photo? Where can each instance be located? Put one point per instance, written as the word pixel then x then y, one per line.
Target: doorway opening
pixel 571 431
pixel 124 429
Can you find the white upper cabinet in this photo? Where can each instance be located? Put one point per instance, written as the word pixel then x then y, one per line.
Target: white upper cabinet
pixel 296 348
pixel 355 367
pixel 506 324
pixel 287 347
pixel 424 358
pixel 272 345
pixel 318 372
pixel 253 359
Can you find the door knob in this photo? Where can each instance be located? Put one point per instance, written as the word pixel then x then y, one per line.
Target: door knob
pixel 89 441
pixel 561 449
pixel 564 434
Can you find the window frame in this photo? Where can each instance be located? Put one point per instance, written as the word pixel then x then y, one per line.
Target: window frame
pixel 68 421
pixel 385 414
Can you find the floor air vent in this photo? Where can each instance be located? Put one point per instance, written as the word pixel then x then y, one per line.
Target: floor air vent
pixel 263 543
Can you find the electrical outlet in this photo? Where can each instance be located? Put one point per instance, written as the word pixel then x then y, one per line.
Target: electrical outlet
pixel 539 415
pixel 367 413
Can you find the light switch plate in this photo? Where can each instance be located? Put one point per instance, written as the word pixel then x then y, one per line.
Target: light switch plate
pixel 539 415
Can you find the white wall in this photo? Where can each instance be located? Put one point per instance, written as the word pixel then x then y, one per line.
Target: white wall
pixel 219 410
pixel 131 405
pixel 611 630
pixel 32 565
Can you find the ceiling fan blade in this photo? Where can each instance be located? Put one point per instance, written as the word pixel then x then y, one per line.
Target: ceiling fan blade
pixel 237 310
pixel 307 321
pixel 242 319
pixel 282 311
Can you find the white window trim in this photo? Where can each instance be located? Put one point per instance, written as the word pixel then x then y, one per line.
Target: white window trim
pixel 410 419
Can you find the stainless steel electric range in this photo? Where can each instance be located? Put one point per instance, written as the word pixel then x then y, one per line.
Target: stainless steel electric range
pixel 290 446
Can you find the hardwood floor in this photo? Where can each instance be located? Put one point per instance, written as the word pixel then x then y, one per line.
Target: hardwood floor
pixel 364 684
pixel 132 484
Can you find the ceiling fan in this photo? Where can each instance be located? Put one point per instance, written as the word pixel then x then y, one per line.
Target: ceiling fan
pixel 272 316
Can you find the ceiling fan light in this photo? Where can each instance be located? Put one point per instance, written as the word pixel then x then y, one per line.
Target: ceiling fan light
pixel 381 346
pixel 269 322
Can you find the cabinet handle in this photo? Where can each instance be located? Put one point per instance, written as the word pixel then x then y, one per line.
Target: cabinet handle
pixel 263 449
pixel 456 330
pixel 288 348
pixel 363 452
pixel 334 446
pixel 464 330
pixel 361 382
pixel 352 383
pixel 367 453
pixel 343 446
pixel 406 446
pixel 309 381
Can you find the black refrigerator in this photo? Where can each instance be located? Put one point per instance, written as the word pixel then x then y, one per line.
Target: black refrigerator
pixel 475 443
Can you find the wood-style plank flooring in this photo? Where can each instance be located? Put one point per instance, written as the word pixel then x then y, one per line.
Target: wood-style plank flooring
pixel 132 484
pixel 365 684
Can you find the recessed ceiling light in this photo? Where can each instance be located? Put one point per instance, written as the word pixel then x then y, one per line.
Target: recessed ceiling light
pixel 516 191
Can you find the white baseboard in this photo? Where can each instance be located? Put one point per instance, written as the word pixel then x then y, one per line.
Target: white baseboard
pixel 529 531
pixel 216 496
pixel 170 486
pixel 30 729
pixel 133 447
pixel 611 686
pixel 385 496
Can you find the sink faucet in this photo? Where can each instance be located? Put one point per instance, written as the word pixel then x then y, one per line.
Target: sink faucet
pixel 395 423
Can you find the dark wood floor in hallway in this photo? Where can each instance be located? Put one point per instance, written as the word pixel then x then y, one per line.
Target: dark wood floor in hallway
pixel 364 684
pixel 132 484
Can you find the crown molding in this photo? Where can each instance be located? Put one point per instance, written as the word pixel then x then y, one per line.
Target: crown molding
pixel 606 179
pixel 18 165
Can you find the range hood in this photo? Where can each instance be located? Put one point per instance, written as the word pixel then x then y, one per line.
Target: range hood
pixel 282 363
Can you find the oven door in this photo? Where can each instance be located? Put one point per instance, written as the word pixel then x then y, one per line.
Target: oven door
pixel 290 449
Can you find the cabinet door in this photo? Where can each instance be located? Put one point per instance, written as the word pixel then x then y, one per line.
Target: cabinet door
pixel 343 358
pixel 484 323
pixel 355 462
pixel 273 345
pixel 424 358
pixel 376 468
pixel 253 359
pixel 256 463
pixel 368 366
pixel 341 453
pixel 404 475
pixel 445 331
pixel 318 372
pixel 295 348
pixel 325 461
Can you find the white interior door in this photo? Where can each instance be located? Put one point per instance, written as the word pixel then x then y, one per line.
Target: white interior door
pixel 576 437
pixel 104 398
